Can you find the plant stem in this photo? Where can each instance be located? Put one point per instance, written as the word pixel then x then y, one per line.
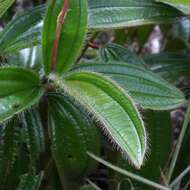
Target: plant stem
pixel 179 144
pixel 61 19
pixel 93 184
pixel 180 177
pixel 128 174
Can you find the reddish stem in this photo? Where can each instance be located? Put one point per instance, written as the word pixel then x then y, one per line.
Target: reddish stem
pixel 93 45
pixel 61 19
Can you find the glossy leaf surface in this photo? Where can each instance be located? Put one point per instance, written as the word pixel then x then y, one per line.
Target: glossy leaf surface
pixel 20 89
pixel 113 108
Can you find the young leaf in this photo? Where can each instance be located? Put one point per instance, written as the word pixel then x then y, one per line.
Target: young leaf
pixel 105 14
pixel 145 87
pixel 119 53
pixel 20 89
pixel 61 50
pixel 182 5
pixel 23 31
pixel 30 181
pixel 112 107
pixel 4 5
pixel 72 134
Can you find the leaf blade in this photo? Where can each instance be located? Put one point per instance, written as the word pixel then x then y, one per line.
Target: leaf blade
pixel 72 134
pixel 72 34
pixel 145 87
pixel 106 14
pixel 182 5
pixel 4 5
pixel 113 108
pixel 20 89
pixel 23 31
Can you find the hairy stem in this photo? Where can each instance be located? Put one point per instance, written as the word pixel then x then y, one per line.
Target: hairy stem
pixel 60 22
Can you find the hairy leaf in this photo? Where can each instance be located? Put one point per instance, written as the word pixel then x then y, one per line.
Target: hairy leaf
pixel 33 134
pixel 4 5
pixel 71 38
pixel 145 87
pixel 9 145
pixel 158 125
pixel 112 107
pixel 105 14
pixel 119 53
pixel 20 89
pixel 72 135
pixel 23 31
pixel 30 181
pixel 182 5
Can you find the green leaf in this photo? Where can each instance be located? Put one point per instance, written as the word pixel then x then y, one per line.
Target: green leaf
pixel 9 145
pixel 4 5
pixel 145 87
pixel 30 182
pixel 182 5
pixel 169 65
pixel 112 107
pixel 105 14
pixel 158 125
pixel 119 53
pixel 34 136
pixel 23 31
pixel 20 89
pixel 72 35
pixel 72 134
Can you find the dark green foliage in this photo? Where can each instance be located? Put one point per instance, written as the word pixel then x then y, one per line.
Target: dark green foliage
pixel 56 92
pixel 72 134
